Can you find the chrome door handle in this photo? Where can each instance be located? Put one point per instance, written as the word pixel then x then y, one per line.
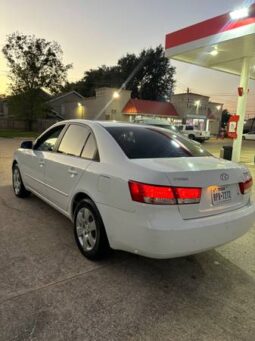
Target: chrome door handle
pixel 41 163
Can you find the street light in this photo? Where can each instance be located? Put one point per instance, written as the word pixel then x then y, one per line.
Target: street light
pixel 218 107
pixel 214 52
pixel 116 95
pixel 81 110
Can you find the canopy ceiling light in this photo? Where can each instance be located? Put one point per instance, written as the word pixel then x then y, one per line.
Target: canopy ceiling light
pixel 239 13
pixel 214 52
pixel 232 35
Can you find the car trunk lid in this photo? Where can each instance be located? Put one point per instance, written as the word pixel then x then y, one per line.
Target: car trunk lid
pixel 219 180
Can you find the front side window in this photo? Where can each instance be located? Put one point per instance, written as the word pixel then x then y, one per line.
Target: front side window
pixel 74 140
pixel 149 143
pixel 48 141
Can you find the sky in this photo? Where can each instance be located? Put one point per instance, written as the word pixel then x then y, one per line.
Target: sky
pixel 96 32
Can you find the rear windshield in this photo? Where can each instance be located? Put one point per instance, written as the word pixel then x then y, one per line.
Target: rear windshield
pixel 150 143
pixel 165 126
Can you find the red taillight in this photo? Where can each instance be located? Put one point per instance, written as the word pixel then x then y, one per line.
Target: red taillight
pixel 163 195
pixel 187 195
pixel 151 194
pixel 246 186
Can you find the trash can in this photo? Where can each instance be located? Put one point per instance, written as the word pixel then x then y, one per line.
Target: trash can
pixel 226 152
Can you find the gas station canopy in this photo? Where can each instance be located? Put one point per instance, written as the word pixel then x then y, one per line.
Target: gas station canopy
pixel 224 43
pixel 219 43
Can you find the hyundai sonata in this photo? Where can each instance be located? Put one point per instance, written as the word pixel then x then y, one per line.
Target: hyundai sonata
pixel 136 188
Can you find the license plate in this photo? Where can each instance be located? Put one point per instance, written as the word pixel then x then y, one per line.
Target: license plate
pixel 220 195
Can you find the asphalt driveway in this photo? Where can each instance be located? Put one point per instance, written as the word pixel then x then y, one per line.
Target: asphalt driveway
pixel 48 291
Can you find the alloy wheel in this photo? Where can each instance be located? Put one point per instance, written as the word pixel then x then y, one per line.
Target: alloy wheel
pixel 86 229
pixel 16 181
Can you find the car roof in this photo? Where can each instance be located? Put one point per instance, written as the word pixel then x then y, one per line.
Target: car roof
pixel 104 123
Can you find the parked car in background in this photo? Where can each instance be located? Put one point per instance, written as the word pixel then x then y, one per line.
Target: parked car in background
pixel 249 136
pixel 162 123
pixel 140 189
pixel 194 133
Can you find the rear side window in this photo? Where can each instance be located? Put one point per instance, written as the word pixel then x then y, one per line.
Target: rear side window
pixel 74 140
pixel 149 143
pixel 90 150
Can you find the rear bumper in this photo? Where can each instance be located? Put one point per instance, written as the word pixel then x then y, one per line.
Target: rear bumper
pixel 164 234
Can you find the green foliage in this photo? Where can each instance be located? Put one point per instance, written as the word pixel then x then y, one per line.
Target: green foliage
pixel 28 105
pixel 148 75
pixel 35 64
pixel 17 133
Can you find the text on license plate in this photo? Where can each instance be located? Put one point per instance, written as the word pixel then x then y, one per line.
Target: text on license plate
pixel 220 195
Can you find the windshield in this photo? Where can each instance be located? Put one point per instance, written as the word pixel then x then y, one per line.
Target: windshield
pixel 150 143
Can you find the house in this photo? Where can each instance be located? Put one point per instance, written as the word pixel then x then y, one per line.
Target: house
pixel 108 104
pixel 197 110
pixel 67 106
pixel 115 104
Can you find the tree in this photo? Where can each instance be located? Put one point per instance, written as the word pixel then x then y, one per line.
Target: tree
pixel 148 75
pixel 224 118
pixel 35 65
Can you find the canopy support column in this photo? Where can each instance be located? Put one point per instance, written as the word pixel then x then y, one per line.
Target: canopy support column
pixel 241 108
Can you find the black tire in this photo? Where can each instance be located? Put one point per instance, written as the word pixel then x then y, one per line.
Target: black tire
pixel 191 137
pixel 17 183
pixel 100 246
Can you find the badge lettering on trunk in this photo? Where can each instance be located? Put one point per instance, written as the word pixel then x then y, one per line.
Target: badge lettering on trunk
pixel 224 176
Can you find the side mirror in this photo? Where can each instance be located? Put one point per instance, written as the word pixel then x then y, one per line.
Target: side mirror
pixel 26 145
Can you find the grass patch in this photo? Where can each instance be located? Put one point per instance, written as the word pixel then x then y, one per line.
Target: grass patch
pixel 17 133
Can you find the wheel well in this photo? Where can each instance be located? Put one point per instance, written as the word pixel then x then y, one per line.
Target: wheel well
pixel 77 198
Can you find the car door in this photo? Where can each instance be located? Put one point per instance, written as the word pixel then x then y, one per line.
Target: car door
pixel 65 167
pixel 33 160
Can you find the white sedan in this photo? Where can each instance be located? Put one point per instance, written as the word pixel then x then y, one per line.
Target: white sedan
pixel 136 188
pixel 249 136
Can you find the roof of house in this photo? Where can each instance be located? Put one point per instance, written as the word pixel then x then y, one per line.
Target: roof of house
pixel 190 93
pixel 139 106
pixel 66 94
